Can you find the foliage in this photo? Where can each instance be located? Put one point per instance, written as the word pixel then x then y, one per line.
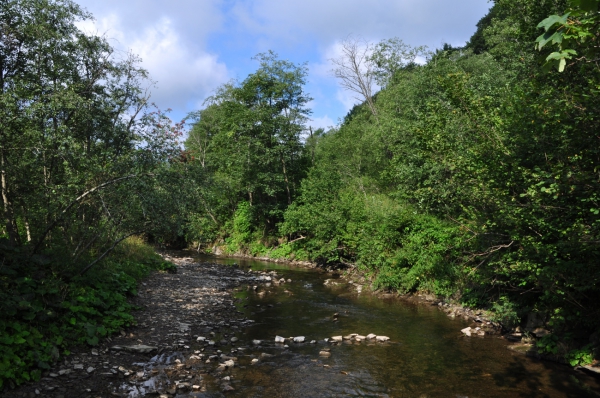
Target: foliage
pixel 581 357
pixel 574 33
pixel 43 314
pixel 505 312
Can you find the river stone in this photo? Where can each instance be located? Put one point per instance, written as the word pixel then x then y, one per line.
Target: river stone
pixel 382 338
pixel 279 339
pixel 234 339
pixel 337 339
pixel 371 336
pixel 256 342
pixel 229 363
pixel 466 331
pixel 324 353
pixel 137 348
pixel 359 338
pixel 540 332
pixel 299 339
pixel 201 338
pixel 255 360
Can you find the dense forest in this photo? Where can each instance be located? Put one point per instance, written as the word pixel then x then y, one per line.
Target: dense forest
pixel 474 175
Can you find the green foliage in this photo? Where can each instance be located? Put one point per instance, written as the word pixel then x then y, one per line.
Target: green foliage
pixel 582 356
pixel 548 344
pixel 505 312
pixel 574 33
pixel 42 313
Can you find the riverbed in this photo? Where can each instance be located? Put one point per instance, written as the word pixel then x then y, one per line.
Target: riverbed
pixel 426 356
pixel 210 331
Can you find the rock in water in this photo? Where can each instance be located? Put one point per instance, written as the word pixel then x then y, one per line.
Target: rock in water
pixel 337 339
pixel 371 336
pixel 279 339
pixel 138 348
pixel 382 338
pixel 466 331
pixel 299 339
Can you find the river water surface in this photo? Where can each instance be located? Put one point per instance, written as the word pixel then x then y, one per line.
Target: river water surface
pixel 427 356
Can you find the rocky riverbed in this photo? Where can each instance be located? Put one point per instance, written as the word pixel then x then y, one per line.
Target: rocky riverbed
pixel 185 338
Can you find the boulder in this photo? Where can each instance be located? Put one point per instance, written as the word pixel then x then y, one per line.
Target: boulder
pixel 336 339
pixel 371 336
pixel 382 338
pixel 466 331
pixel 299 339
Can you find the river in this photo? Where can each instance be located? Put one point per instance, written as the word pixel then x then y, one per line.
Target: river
pixel 427 355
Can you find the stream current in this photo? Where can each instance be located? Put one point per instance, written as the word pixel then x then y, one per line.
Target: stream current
pixel 427 355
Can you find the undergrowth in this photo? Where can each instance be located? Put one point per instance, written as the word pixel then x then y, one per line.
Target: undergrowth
pixel 44 310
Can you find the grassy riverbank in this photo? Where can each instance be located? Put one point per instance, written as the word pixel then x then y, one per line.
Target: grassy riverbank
pixel 45 310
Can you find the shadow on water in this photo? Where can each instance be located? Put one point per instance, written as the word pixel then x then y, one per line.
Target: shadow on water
pixel 426 356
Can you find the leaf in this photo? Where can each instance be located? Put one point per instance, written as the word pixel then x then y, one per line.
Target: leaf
pixel 553 19
pixel 561 64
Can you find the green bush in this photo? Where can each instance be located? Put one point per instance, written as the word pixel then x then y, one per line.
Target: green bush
pixel 43 313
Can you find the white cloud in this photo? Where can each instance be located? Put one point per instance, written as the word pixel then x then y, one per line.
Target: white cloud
pixel 184 76
pixel 324 122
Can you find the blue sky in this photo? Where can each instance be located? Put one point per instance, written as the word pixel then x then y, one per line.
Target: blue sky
pixel 190 47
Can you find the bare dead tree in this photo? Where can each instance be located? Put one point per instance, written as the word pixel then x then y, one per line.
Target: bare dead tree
pixel 355 71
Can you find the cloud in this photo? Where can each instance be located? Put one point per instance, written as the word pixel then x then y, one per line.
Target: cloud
pixel 324 122
pixel 183 76
pixel 416 22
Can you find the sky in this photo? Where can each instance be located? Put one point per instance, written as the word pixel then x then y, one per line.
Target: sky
pixel 191 47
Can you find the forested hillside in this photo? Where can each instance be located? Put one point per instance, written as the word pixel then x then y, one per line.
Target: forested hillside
pixel 474 175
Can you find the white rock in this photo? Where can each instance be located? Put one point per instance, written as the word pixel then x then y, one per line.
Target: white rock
pixel 229 363
pixel 201 338
pixel 255 360
pixel 382 338
pixel 337 338
pixel 313 342
pixel 371 336
pixel 467 331
pixel 256 342
pixel 299 339
pixel 359 337
pixel 279 339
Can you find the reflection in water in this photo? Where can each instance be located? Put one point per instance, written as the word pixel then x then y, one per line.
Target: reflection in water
pixel 427 355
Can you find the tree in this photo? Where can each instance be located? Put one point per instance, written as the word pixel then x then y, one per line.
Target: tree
pixel 77 139
pixel 355 71
pixel 248 141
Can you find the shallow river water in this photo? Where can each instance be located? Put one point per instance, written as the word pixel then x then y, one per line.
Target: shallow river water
pixel 427 356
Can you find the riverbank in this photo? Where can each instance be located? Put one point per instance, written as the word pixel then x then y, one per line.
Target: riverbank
pixel 158 353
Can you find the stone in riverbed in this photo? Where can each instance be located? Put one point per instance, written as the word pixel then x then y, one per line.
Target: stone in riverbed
pixel 279 339
pixel 371 336
pixel 137 348
pixel 466 331
pixel 336 339
pixel 382 338
pixel 324 353
pixel 256 342
pixel 359 337
pixel 299 339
